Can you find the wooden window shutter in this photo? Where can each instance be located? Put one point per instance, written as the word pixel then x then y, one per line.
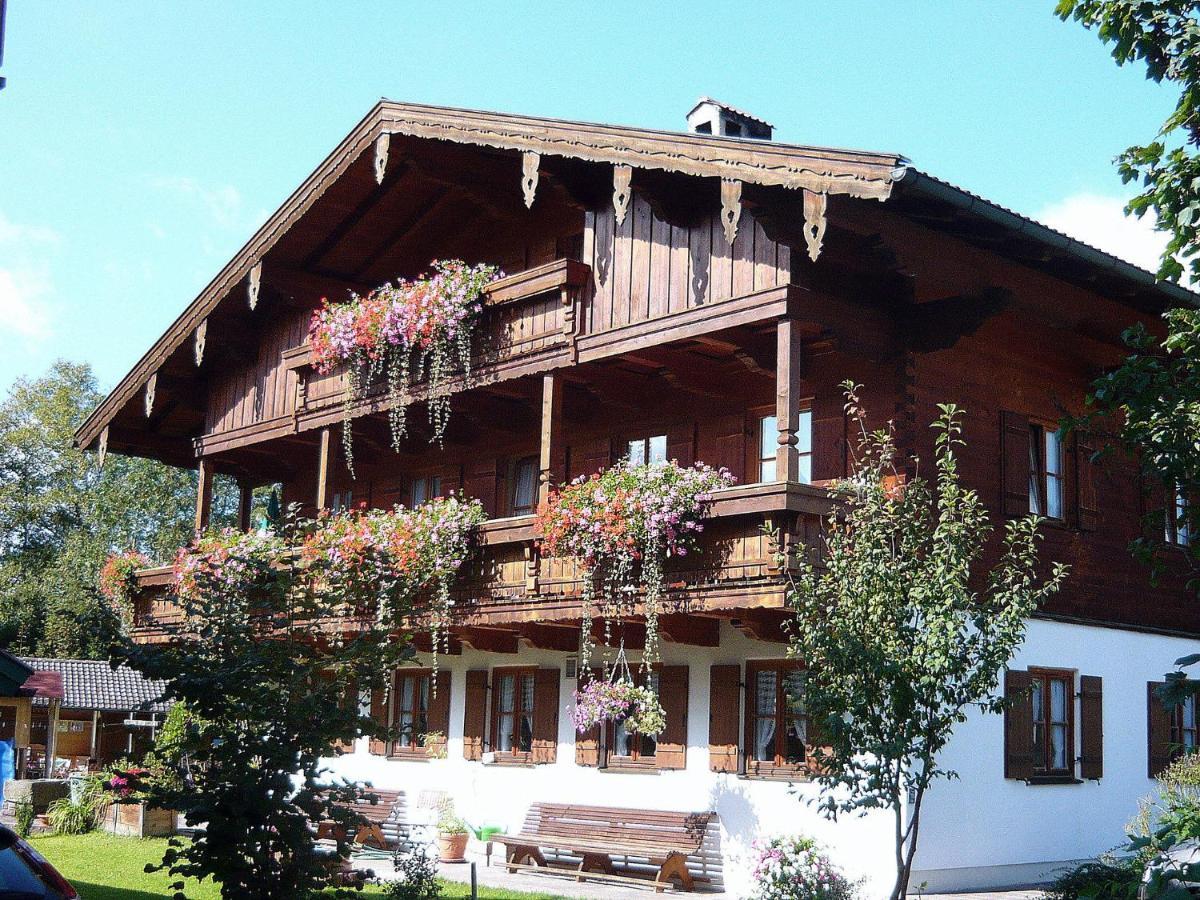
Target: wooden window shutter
pixel 1014 463
pixel 439 713
pixel 379 714
pixel 671 752
pixel 587 745
pixel 681 443
pixel 1087 510
pixel 724 722
pixel 1158 730
pixel 475 716
pixel 731 446
pixel 1091 726
pixel 545 715
pixel 481 481
pixel 1018 726
pixel 591 457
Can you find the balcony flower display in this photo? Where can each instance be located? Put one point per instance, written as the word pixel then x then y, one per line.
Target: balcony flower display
pixel 623 524
pixel 616 701
pixel 406 331
pixel 118 580
pixel 241 561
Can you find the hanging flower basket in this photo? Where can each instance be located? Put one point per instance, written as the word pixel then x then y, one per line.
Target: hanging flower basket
pixel 406 331
pixel 618 701
pixel 118 580
pixel 623 525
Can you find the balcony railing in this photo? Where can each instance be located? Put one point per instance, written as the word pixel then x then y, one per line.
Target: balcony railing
pixel 509 581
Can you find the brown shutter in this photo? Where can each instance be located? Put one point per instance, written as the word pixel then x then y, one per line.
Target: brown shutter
pixel 349 702
pixel 1018 726
pixel 439 713
pixel 545 715
pixel 724 697
pixel 681 443
pixel 591 457
pixel 480 481
pixel 1158 729
pixel 731 446
pixel 1091 726
pixel 475 716
pixel 1087 510
pixel 587 745
pixel 1014 463
pixel 379 714
pixel 671 752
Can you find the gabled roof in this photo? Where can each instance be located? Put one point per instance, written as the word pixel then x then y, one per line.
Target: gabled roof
pixel 94 684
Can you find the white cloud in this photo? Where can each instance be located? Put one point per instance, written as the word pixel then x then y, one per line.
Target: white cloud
pixel 12 232
pixel 223 203
pixel 1100 220
pixel 22 308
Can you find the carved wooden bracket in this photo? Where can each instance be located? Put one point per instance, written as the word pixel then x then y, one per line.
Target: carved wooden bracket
pixel 253 284
pixel 102 448
pixel 199 340
pixel 381 156
pixel 148 398
pixel 731 206
pixel 530 160
pixel 621 192
pixel 814 222
pixel 532 566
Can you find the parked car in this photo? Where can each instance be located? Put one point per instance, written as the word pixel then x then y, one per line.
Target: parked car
pixel 1173 870
pixel 26 875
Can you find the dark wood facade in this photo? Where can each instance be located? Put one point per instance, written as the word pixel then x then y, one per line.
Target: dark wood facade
pixel 660 284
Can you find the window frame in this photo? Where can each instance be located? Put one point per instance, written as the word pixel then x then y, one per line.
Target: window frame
pixel 1042 768
pixel 1181 727
pixel 778 767
pixel 1041 478
pixel 645 439
pixel 804 413
pixel 637 760
pixel 1176 530
pixel 514 482
pixel 433 483
pixel 518 672
pixel 414 750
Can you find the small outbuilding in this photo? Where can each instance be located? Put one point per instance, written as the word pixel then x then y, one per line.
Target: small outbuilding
pixel 104 714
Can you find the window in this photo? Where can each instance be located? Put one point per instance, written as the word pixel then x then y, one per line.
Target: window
pixel 1053 698
pixel 647 450
pixel 524 486
pixel 342 501
pixel 1185 727
pixel 425 489
pixel 1178 530
pixel 1045 472
pixel 411 713
pixel 777 723
pixel 768 445
pixel 512 723
pixel 629 746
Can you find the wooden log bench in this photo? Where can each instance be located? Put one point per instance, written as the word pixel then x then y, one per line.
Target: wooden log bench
pixel 598 833
pixel 385 823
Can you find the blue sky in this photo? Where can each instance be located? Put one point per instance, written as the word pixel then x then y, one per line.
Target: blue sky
pixel 142 143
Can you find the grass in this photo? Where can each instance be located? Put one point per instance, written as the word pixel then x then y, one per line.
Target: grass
pixel 106 867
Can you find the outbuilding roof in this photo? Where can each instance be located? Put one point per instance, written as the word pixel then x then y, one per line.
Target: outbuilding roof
pixel 95 684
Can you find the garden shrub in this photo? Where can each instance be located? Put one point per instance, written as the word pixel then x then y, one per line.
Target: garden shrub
pixel 794 868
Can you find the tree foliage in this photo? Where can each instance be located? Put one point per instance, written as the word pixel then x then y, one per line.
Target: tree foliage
pixel 901 631
pixel 269 662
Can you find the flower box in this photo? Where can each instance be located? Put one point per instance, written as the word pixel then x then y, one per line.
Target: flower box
pixel 139 820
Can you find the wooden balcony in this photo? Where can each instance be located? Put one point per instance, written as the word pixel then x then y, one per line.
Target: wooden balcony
pixel 509 584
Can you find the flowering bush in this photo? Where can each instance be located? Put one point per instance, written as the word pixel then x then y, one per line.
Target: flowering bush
pixel 622 525
pixel 614 701
pixel 406 331
pixel 118 581
pixel 792 868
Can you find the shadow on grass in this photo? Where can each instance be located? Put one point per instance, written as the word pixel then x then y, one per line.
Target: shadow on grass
pixel 108 892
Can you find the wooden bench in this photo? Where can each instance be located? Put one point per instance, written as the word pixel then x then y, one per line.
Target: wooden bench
pixel 385 824
pixel 598 833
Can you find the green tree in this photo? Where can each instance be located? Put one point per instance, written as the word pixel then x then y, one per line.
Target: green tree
pixel 901 630
pixel 61 515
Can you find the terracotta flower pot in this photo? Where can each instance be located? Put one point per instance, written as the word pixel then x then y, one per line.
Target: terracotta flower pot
pixel 452 847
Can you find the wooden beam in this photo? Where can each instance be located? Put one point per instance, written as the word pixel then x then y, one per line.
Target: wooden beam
pixel 204 492
pixel 423 641
pixel 633 633
pixel 492 640
pixel 323 469
pixel 787 399
pixel 762 624
pixel 551 637
pixel 552 432
pixel 681 628
pixel 349 221
pixel 245 503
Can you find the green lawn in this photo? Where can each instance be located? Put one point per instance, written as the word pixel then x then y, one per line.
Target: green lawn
pixel 105 867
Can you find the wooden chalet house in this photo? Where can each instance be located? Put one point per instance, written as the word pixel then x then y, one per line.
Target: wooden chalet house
pixel 695 296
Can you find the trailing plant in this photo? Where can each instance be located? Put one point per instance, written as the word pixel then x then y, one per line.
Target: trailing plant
pixel 24 815
pixel 602 701
pixel 406 331
pixel 265 692
pixel 80 812
pixel 901 632
pixel 622 525
pixel 794 868
pixel 118 580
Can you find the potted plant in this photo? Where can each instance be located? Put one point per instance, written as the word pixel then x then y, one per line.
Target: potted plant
pixel 452 835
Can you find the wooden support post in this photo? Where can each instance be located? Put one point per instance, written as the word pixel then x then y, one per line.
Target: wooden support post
pixel 51 737
pixel 787 391
pixel 552 427
pixel 245 501
pixel 323 471
pixel 95 743
pixel 204 492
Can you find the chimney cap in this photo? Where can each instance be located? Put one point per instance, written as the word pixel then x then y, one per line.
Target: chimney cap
pixel 739 113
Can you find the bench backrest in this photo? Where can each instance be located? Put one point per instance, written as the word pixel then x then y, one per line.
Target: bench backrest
pixel 636 828
pixel 389 806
